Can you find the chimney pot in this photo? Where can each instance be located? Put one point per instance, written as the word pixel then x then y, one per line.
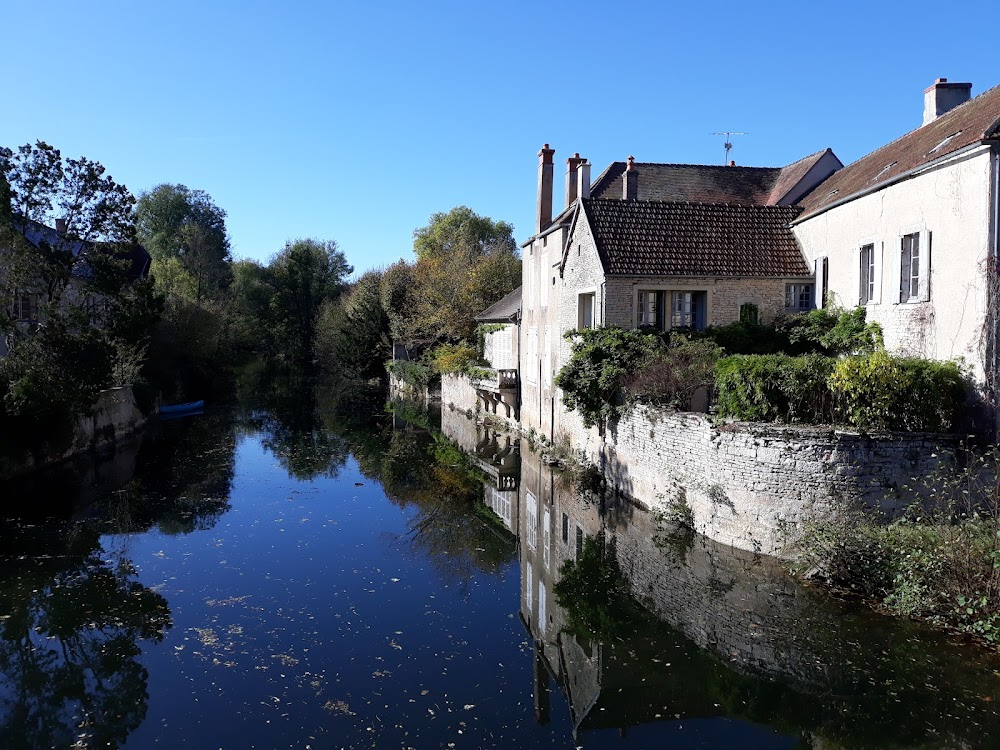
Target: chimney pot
pixel 630 181
pixel 572 164
pixel 942 97
pixel 543 214
pixel 732 163
pixel 583 175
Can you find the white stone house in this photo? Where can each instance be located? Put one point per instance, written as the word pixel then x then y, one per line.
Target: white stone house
pixel 501 351
pixel 662 245
pixel 910 231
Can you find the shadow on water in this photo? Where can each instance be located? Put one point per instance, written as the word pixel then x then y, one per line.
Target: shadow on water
pixel 640 624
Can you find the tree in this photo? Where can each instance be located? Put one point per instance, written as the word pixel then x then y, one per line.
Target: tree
pixel 174 221
pixel 352 334
pixel 465 263
pixel 304 274
pixel 67 238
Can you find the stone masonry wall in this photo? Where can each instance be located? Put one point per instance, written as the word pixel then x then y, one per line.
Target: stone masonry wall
pixel 752 486
pixel 458 394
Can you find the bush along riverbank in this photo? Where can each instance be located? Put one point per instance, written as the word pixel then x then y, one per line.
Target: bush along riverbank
pixel 940 562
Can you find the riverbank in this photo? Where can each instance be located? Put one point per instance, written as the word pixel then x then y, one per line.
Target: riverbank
pixel 114 417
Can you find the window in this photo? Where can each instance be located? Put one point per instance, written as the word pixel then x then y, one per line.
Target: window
pixel 686 309
pixel 868 276
pixel 650 310
pixel 544 272
pixel 579 541
pixel 911 269
pixel 585 310
pixel 565 529
pixel 749 313
pixel 798 296
pixel 24 307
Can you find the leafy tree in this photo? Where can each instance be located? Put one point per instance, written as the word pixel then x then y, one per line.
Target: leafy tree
pixel 352 335
pixel 66 231
pixel 174 221
pixel 248 307
pixel 465 263
pixel 304 275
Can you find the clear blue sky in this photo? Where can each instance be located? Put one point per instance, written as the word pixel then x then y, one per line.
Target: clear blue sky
pixel 356 121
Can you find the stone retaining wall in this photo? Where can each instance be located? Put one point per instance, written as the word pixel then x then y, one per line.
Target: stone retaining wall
pixel 751 485
pixel 114 417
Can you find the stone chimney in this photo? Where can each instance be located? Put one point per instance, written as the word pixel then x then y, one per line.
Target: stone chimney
pixel 583 176
pixel 572 164
pixel 943 97
pixel 60 226
pixel 630 181
pixel 544 213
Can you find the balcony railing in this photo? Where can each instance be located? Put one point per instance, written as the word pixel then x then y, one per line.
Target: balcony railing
pixel 497 380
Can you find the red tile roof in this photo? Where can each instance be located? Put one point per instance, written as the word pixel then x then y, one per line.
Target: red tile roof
pixel 976 120
pixel 659 238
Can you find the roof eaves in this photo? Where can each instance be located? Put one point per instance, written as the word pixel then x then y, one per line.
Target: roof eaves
pixel 888 182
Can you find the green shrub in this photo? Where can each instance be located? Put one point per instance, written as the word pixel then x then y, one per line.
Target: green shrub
pixel 602 360
pixel 774 388
pixel 452 358
pixel 412 373
pixel 674 375
pixel 746 337
pixel 830 331
pixel 879 392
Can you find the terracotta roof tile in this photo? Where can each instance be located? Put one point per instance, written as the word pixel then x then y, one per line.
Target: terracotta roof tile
pixel 659 238
pixel 701 183
pixel 976 120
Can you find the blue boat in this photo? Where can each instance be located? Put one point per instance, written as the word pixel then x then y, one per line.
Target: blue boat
pixel 168 411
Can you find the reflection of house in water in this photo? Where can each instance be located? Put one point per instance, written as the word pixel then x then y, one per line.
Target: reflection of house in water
pixel 731 635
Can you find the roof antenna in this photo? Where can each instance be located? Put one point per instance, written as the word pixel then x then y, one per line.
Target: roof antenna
pixel 728 144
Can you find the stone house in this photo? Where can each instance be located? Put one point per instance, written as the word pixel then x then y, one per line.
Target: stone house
pixel 910 231
pixel 661 245
pixel 23 305
pixel 501 350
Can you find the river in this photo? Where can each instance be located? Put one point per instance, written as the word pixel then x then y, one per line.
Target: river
pixel 303 570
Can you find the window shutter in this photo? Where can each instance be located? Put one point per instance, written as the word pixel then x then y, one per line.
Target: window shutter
pixel 924 278
pixel 820 271
pixel 877 271
pixel 865 279
pixel 904 269
pixel 824 288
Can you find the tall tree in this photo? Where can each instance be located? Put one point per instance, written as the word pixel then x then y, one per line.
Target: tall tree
pixel 465 263
pixel 174 221
pixel 304 275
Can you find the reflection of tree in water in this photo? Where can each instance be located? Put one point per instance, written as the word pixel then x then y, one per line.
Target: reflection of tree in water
pixel 282 406
pixel 70 627
pixel 419 467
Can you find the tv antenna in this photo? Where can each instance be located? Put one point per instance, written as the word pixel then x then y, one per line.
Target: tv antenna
pixel 728 144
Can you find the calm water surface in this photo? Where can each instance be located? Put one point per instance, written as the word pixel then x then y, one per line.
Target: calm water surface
pixel 298 572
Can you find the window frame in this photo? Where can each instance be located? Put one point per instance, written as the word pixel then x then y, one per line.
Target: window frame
pixel 664 300
pixel 790 292
pixel 581 295
pixel 919 282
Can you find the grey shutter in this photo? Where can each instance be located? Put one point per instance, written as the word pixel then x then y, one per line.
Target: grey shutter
pixel 865 274
pixel 904 269
pixel 924 279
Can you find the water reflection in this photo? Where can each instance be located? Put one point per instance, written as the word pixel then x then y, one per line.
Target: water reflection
pixel 639 624
pixel 71 622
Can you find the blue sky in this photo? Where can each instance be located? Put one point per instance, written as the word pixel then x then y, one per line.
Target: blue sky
pixel 356 122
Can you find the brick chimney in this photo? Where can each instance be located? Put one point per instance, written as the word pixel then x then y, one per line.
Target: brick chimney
pixel 583 177
pixel 572 164
pixel 544 213
pixel 630 181
pixel 943 97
